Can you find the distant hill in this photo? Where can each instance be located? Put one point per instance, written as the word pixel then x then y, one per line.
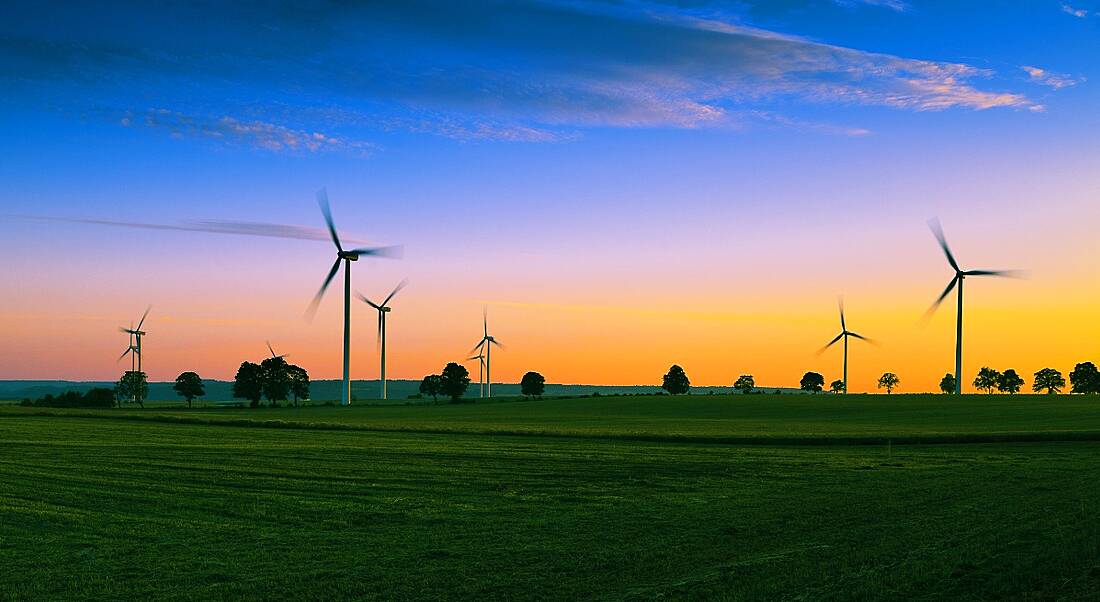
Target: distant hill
pixel 327 390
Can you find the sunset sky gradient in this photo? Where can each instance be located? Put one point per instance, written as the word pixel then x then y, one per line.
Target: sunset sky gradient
pixel 625 185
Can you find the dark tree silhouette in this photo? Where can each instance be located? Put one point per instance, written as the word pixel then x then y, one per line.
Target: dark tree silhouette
pixel 888 381
pixel 132 387
pixel 189 386
pixel 1009 382
pixel 276 379
pixel 432 385
pixel 1084 378
pixel 299 382
pixel 812 381
pixel 453 381
pixel 676 381
pixel 1049 379
pixel 987 379
pixel 532 384
pixel 249 383
pixel 837 386
pixel 744 383
pixel 947 383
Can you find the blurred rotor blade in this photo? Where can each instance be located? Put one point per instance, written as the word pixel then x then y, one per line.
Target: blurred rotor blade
pixel 364 299
pixel 125 330
pixel 1001 273
pixel 270 349
pixel 321 293
pixel 128 350
pixel 400 286
pixel 840 305
pixel 485 320
pixel 478 346
pixel 863 338
pixel 943 295
pixel 830 344
pixel 497 343
pixel 322 201
pixel 934 224
pixel 143 316
pixel 391 252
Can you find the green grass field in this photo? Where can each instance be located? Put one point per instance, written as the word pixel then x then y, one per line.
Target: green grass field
pixel 615 498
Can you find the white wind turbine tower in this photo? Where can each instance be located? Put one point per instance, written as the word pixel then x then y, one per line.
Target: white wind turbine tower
pixel 346 257
pixel 485 346
pixel 383 309
pixel 480 357
pixel 957 279
pixel 844 333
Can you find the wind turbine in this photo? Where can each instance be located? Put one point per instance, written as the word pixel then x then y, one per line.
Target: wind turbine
pixel 135 341
pixel 844 334
pixel 273 356
pixel 957 279
pixel 480 357
pixel 383 309
pixel 346 257
pixel 485 346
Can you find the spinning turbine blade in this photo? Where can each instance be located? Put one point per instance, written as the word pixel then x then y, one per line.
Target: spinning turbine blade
pixel 830 344
pixel 1001 273
pixel 364 299
pixel 478 346
pixel 128 350
pixel 143 316
pixel 270 349
pixel 863 338
pixel 392 252
pixel 934 224
pixel 400 286
pixel 322 201
pixel 840 305
pixel 497 343
pixel 946 291
pixel 321 293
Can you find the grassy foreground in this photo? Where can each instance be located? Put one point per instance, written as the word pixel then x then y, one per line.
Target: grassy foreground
pixel 108 508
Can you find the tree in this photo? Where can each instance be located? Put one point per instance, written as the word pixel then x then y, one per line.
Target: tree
pixel 987 379
pixel 744 383
pixel 1009 382
pixel 1084 378
pixel 1049 379
pixel 947 383
pixel 888 381
pixel 249 383
pixel 532 384
pixel 676 381
pixel 189 386
pixel 299 382
pixel 132 387
pixel 276 379
pixel 453 381
pixel 812 381
pixel 837 386
pixel 432 385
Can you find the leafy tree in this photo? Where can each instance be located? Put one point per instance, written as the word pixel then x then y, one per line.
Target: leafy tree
pixel 132 387
pixel 744 383
pixel 837 386
pixel 987 379
pixel 299 382
pixel 453 381
pixel 812 381
pixel 1084 378
pixel 888 381
pixel 947 383
pixel 249 383
pixel 432 385
pixel 99 397
pixel 1009 382
pixel 276 379
pixel 532 384
pixel 189 386
pixel 676 381
pixel 1049 379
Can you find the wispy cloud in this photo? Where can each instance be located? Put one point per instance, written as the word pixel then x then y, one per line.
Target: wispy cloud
pixel 898 5
pixel 211 226
pixel 1077 12
pixel 1046 78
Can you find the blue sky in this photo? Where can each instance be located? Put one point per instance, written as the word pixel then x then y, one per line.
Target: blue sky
pixel 568 153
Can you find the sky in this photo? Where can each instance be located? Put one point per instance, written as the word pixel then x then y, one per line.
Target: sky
pixel 623 185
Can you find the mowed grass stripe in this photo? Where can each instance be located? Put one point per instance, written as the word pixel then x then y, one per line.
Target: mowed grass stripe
pixel 211 512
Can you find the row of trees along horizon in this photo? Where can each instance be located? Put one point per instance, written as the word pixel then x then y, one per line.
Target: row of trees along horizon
pixel 277 381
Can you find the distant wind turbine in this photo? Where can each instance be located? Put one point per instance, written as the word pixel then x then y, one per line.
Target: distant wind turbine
pixel 485 346
pixel 272 350
pixel 844 334
pixel 383 309
pixel 346 257
pixel 957 279
pixel 135 341
pixel 480 357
